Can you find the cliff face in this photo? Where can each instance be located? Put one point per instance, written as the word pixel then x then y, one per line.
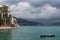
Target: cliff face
pixel 6 18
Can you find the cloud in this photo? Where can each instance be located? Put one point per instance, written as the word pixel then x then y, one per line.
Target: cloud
pixel 39 3
pixel 35 3
pixel 2 0
pixel 20 8
pixel 47 11
pixel 27 11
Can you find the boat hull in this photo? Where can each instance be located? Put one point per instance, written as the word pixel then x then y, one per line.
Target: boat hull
pixel 47 35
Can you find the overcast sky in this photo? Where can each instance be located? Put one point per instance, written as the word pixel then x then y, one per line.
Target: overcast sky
pixel 33 9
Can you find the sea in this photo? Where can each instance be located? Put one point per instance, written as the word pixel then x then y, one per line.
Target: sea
pixel 30 33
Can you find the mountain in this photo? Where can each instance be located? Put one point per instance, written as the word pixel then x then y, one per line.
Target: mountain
pixel 57 24
pixel 46 21
pixel 24 22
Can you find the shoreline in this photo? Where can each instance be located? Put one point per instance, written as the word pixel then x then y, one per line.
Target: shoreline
pixel 9 27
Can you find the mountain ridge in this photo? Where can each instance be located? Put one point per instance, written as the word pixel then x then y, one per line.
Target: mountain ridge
pixel 24 22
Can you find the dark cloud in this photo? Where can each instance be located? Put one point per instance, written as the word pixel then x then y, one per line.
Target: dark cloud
pixel 39 3
pixel 35 3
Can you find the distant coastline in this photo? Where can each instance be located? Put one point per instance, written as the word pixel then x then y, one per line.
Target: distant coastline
pixel 24 22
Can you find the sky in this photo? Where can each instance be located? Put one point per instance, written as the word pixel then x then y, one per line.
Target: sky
pixel 33 9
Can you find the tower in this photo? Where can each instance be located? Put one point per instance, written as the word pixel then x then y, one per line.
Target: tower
pixel 6 12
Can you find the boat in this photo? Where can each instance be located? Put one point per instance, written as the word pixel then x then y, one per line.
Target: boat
pixel 47 35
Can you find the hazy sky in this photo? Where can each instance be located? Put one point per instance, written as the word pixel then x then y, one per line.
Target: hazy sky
pixel 34 9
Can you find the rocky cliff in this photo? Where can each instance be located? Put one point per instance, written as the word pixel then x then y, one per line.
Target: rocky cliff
pixel 6 19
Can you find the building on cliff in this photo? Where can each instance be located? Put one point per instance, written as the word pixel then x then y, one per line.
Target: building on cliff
pixel 5 16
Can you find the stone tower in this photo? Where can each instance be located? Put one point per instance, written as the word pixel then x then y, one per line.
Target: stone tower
pixel 4 14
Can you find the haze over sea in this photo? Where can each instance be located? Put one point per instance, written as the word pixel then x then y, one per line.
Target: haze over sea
pixel 31 33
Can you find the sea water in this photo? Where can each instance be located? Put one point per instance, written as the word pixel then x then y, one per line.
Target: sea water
pixel 31 33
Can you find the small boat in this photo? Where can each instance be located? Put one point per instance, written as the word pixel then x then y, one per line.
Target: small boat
pixel 47 35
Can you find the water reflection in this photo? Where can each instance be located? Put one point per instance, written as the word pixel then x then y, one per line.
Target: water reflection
pixel 5 35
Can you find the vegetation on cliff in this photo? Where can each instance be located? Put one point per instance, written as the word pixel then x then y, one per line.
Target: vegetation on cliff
pixel 6 18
